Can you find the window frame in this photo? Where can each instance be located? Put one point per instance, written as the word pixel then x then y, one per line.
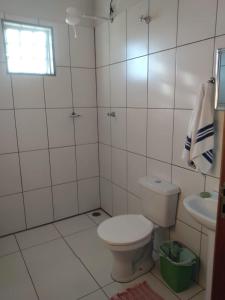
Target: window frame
pixel 3 21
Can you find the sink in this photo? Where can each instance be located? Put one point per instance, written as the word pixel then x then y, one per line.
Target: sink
pixel 203 210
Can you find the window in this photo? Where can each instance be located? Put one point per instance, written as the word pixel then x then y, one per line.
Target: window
pixel 29 48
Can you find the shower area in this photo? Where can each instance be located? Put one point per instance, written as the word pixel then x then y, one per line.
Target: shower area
pixel 49 166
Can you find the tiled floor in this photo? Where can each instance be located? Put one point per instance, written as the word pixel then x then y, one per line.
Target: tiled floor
pixel 67 261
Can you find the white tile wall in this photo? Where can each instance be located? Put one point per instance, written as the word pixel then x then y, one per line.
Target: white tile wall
pixel 10 182
pixel 106 195
pixel 39 136
pixel 159 169
pixel 194 66
pixel 65 200
pixel 87 161
pixel 38 207
pixel 137 32
pixel 160 132
pixel 136 130
pixel 118 128
pixel 103 87
pixel 31 129
pixel 58 89
pixel 60 127
pixel 161 79
pixel 84 87
pixel 163 27
pixel 118 84
pixel 6 100
pixel 63 165
pixel 30 97
pixel 86 126
pixel 133 205
pixel 105 161
pixel 136 170
pixel 119 201
pixel 12 214
pixel 7 132
pixel 196 20
pixel 155 90
pixel 82 49
pixel 88 194
pixel 119 167
pixel 137 82
pixel 104 126
pixel 220 28
pixel 2 56
pixel 35 169
pixel 118 38
pixel 102 44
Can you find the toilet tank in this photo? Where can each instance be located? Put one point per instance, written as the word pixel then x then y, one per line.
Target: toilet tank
pixel 159 200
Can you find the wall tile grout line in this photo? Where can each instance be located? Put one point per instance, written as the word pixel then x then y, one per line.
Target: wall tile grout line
pixel 19 158
pixel 49 154
pixel 96 100
pixel 74 125
pixel 160 51
pixel 49 186
pixel 28 271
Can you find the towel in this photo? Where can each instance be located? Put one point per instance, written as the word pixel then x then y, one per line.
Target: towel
pixel 199 144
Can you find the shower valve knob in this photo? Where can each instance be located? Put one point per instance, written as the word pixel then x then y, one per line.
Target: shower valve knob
pixel 75 115
pixel 112 114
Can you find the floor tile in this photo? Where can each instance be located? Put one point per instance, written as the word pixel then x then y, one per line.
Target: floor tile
pixel 152 281
pixel 98 219
pixel 200 296
pixel 73 225
pixel 37 236
pixel 96 257
pixel 57 273
pixel 15 283
pixel 8 245
pixel 99 295
pixel 188 294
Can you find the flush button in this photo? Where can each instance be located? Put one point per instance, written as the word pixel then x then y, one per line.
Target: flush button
pixel 158 181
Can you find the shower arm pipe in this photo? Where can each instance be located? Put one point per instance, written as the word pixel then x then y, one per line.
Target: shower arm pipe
pixel 96 18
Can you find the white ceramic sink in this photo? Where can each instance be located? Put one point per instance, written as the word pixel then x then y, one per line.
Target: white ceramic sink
pixel 203 210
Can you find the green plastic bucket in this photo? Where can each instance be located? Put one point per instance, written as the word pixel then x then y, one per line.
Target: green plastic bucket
pixel 178 265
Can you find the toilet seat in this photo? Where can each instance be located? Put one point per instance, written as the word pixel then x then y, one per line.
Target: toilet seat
pixel 126 231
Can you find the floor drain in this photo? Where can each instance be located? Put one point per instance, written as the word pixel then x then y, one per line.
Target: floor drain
pixel 96 214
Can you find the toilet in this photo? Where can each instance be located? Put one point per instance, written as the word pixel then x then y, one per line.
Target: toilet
pixel 130 237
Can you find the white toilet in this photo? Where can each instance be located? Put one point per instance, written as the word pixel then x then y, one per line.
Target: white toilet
pixel 130 237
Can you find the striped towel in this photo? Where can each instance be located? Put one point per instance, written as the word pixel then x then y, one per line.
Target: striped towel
pixel 139 292
pixel 199 143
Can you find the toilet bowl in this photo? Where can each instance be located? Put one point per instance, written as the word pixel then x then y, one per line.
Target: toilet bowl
pixel 130 240
pixel 130 237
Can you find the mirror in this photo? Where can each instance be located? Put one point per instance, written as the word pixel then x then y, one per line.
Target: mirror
pixel 220 79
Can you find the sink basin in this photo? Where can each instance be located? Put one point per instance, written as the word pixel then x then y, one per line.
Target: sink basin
pixel 203 210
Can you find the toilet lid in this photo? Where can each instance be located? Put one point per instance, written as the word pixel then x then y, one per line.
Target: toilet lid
pixel 125 229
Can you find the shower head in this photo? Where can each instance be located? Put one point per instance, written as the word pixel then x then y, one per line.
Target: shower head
pixel 73 18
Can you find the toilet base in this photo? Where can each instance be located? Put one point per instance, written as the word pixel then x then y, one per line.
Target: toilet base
pixel 129 265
